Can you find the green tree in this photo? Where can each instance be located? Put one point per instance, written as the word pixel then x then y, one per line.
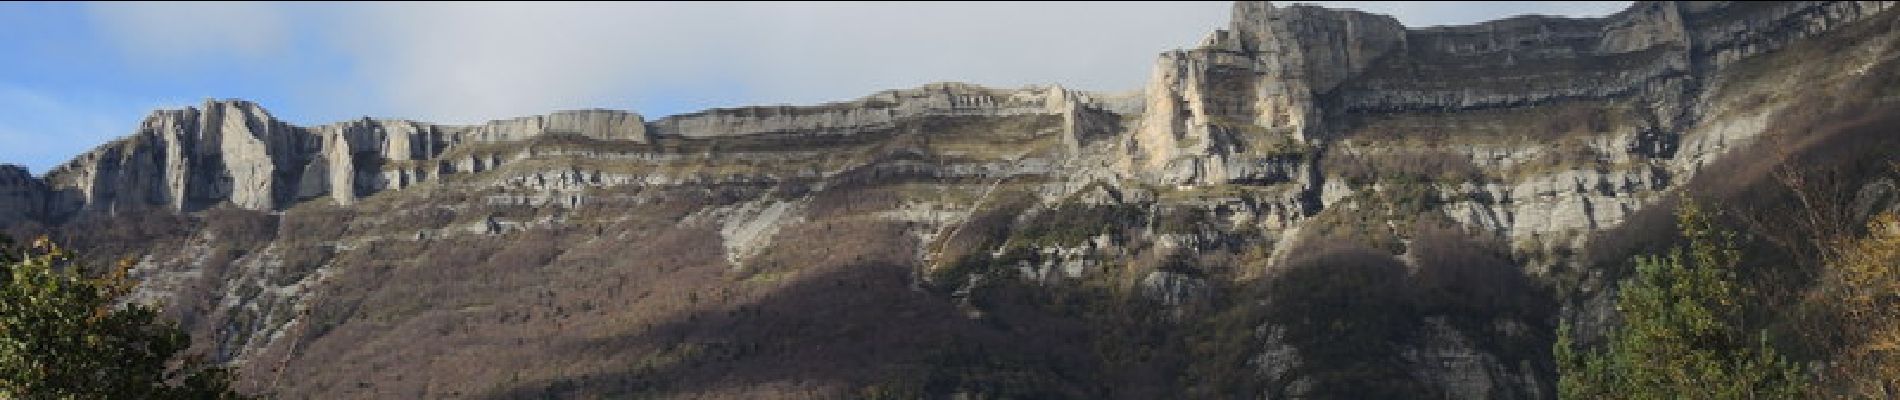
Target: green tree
pixel 64 335
pixel 1681 336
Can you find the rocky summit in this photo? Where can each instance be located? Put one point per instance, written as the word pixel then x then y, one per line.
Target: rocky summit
pixel 957 240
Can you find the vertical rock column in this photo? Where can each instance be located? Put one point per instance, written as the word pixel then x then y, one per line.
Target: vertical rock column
pixel 1212 111
pixel 249 170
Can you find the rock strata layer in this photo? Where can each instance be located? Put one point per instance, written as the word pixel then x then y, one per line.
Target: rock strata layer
pixel 1293 124
pixel 232 151
pixel 1277 73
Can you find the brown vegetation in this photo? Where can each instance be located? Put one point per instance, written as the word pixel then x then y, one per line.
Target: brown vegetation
pixel 1433 165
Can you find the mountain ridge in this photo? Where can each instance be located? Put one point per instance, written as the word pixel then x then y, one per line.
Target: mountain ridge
pixel 989 216
pixel 1269 41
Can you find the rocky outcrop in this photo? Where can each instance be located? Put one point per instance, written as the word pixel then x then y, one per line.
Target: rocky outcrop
pixel 597 124
pixel 1247 95
pixel 1278 72
pixel 881 111
pixel 1455 363
pixel 22 196
pixel 235 152
pixel 229 151
pixel 226 151
pixel 1173 288
pixel 1659 52
pixel 1221 160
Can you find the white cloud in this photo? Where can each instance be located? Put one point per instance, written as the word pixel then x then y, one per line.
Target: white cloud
pixel 184 33
pixel 470 62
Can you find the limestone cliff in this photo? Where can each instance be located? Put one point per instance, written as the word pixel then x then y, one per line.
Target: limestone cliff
pixel 22 196
pixel 236 152
pixel 1278 73
pixel 1295 127
pixel 882 111
pixel 229 151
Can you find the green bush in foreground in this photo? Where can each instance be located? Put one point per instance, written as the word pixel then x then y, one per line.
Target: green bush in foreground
pixel 1681 337
pixel 63 335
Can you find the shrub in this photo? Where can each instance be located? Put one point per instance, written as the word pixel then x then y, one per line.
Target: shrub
pixel 1464 277
pixel 64 335
pixel 1681 335
pixel 1072 224
pixel 1419 166
pixel 1345 307
pixel 1858 291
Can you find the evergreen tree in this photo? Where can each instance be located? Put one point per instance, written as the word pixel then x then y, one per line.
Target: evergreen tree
pixel 63 335
pixel 1681 336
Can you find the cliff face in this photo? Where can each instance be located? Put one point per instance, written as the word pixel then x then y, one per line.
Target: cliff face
pixel 1294 128
pixel 1659 52
pixel 1283 88
pixel 1247 95
pixel 22 197
pixel 183 159
pixel 1278 73
pixel 236 152
pixel 1256 103
pixel 879 111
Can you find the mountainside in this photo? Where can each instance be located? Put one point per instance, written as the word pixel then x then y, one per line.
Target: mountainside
pixel 1464 187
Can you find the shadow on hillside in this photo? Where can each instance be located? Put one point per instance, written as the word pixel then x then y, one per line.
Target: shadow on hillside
pixel 834 333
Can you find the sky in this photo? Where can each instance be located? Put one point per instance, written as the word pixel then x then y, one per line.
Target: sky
pixel 76 75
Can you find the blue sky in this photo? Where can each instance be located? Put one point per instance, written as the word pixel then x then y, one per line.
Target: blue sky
pixel 76 75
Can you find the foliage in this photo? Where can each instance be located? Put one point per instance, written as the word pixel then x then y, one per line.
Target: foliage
pixel 1417 166
pixel 958 272
pixel 63 335
pixel 970 369
pixel 1346 308
pixel 1681 335
pixel 1170 220
pixel 1478 287
pixel 1462 276
pixel 1073 223
pixel 1862 286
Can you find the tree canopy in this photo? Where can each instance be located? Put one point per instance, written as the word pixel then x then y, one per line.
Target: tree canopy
pixel 1681 336
pixel 65 335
